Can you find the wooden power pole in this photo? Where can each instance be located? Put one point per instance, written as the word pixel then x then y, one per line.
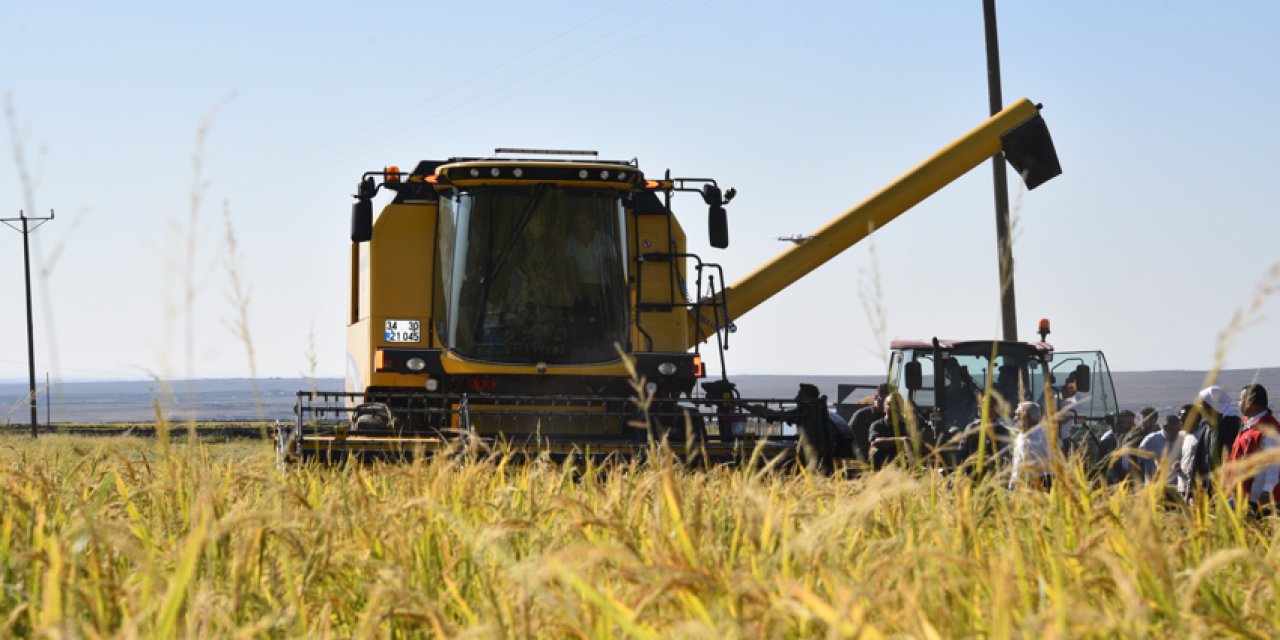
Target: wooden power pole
pixel 26 230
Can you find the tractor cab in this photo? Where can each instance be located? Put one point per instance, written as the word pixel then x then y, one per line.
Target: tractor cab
pixel 947 380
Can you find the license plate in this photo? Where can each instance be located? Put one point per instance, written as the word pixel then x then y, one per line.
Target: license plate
pixel 404 331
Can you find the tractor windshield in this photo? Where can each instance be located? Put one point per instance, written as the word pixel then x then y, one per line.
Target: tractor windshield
pixel 966 374
pixel 1098 402
pixel 534 274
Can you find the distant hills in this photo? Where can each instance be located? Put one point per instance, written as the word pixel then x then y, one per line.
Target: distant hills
pixel 230 399
pixel 239 399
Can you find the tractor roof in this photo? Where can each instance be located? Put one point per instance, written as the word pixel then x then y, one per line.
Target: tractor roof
pixel 972 346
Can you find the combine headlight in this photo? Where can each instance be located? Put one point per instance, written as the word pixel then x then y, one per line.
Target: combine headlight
pixel 667 368
pixel 651 387
pixel 416 364
pixel 517 172
pixel 475 173
pixel 604 175
pixel 495 172
pixel 582 174
pixel 432 384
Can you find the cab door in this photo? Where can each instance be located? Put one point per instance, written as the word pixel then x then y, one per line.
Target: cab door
pixel 1099 402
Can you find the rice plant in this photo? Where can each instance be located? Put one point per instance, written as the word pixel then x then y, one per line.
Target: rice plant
pixel 134 538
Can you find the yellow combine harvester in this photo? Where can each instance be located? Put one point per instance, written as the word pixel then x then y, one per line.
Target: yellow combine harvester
pixel 521 299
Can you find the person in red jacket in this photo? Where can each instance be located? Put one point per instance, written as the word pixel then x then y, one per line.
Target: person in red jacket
pixel 1260 432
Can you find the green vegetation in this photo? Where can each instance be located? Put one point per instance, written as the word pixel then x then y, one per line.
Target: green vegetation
pixel 139 537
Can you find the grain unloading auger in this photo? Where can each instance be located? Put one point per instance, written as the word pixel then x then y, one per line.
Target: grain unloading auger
pixel 533 297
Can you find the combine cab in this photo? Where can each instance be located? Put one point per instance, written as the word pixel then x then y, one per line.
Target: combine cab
pixel 549 298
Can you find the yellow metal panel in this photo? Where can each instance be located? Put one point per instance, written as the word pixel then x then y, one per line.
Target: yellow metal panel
pixel 402 257
pixel 511 182
pixel 362 278
pixel 668 329
pixel 394 271
pixel 400 380
pixel 458 366
pixel 359 357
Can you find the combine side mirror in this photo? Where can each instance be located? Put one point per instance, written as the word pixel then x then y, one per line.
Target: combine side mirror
pixel 718 227
pixel 914 375
pixel 362 210
pixel 361 220
pixel 1083 378
pixel 717 218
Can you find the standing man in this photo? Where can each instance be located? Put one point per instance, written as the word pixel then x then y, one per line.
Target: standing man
pixel 1260 432
pixel 1196 465
pixel 1032 451
pixel 891 437
pixel 991 436
pixel 1165 449
pixel 1111 441
pixel 1148 423
pixel 861 421
pixel 1065 400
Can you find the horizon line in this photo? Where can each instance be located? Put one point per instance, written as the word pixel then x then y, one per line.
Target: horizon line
pixel 86 380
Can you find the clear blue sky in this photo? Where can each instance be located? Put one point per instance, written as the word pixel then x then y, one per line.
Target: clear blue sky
pixel 1161 228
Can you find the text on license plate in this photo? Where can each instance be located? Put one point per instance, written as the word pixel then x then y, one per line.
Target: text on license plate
pixel 404 331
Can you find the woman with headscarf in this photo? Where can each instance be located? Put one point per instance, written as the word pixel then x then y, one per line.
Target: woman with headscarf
pixel 1209 442
pixel 1219 409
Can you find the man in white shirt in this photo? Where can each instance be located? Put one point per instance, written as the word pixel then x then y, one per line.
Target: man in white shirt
pixel 1165 449
pixel 1033 452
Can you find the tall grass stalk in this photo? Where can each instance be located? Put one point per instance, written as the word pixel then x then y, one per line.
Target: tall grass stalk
pixel 238 296
pixel 871 295
pixel 28 181
pixel 117 538
pixel 191 238
pixel 1243 317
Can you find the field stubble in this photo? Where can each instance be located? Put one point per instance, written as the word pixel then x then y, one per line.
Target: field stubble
pixel 134 537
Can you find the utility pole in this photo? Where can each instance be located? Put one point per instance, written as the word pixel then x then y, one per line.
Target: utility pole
pixel 26 264
pixel 1004 245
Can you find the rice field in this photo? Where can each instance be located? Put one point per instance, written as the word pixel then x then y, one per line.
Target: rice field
pixel 127 537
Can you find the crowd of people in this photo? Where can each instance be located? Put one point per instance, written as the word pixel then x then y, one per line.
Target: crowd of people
pixel 1183 451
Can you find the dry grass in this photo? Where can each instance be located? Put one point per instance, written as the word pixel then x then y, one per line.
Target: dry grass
pixel 115 538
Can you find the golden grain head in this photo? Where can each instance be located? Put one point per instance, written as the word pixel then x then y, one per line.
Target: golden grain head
pixel 123 537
